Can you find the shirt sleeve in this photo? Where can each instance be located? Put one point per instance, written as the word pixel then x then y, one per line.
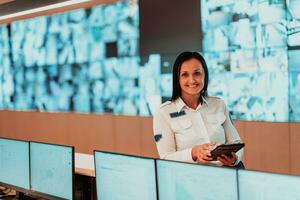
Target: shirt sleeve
pixel 231 134
pixel 165 140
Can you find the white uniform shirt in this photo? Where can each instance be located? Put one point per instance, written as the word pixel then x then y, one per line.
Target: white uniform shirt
pixel 178 128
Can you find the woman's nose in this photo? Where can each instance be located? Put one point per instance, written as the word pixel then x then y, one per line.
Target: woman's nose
pixel 191 79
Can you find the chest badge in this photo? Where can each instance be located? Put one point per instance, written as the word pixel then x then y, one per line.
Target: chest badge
pixel 177 114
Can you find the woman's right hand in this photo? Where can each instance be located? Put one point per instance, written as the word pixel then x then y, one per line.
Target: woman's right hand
pixel 201 153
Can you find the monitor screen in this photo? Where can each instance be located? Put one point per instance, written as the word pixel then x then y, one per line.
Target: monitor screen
pixel 52 169
pixel 188 181
pixel 14 163
pixel 259 185
pixel 122 177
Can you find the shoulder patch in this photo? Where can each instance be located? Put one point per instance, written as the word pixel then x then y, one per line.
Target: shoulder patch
pixel 157 137
pixel 165 103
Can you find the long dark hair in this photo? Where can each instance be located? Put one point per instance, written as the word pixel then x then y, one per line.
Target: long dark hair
pixel 184 56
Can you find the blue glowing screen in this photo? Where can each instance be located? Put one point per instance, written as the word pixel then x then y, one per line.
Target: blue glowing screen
pixel 52 169
pixel 122 177
pixel 14 163
pixel 187 181
pixel 259 185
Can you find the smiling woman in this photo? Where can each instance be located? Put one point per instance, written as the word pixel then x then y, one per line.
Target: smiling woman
pixel 191 80
pixel 189 126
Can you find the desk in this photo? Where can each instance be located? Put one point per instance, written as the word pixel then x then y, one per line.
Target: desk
pixel 85 179
pixel 84 164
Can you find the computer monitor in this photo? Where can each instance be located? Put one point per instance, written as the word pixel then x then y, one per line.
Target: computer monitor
pixel 265 186
pixel 52 170
pixel 14 163
pixel 122 177
pixel 183 181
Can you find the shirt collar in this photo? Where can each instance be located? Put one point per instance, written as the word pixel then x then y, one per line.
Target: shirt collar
pixel 180 103
pixel 205 101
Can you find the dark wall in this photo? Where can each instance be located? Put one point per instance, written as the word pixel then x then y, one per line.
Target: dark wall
pixel 169 27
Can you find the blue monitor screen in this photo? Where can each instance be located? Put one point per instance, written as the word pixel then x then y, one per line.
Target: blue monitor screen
pixel 188 181
pixel 122 177
pixel 52 169
pixel 259 185
pixel 14 163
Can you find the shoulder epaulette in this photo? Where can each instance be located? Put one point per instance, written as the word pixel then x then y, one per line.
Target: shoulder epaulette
pixel 214 97
pixel 165 103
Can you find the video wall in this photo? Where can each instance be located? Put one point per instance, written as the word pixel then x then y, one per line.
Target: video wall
pixel 251 51
pixel 89 61
pixel 84 61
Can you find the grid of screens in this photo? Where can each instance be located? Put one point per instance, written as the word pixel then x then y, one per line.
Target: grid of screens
pixel 48 164
pixel 188 181
pixel 122 177
pixel 14 163
pixel 259 185
pixel 84 61
pixel 245 44
pixel 87 61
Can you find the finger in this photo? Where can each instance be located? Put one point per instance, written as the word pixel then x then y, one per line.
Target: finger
pixel 200 160
pixel 223 161
pixel 205 152
pixel 207 158
pixel 205 155
pixel 234 155
pixel 208 145
pixel 226 157
pixel 231 158
pixel 227 160
pixel 205 147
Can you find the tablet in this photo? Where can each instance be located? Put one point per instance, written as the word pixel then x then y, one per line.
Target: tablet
pixel 226 149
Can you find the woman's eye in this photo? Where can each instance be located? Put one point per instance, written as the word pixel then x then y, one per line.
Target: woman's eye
pixel 184 75
pixel 198 73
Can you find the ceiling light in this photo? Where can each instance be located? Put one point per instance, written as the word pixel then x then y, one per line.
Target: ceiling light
pixel 41 9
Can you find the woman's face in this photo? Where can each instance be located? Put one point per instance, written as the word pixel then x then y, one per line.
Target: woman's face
pixel 191 78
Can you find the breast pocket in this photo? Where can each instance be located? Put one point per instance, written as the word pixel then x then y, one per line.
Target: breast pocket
pixel 183 132
pixel 181 125
pixel 215 122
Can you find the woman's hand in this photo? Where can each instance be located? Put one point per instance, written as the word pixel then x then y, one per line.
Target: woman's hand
pixel 201 153
pixel 228 160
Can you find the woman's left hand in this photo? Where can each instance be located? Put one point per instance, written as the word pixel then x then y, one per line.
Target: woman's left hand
pixel 228 160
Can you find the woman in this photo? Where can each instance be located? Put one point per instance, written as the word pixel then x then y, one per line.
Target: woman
pixel 187 127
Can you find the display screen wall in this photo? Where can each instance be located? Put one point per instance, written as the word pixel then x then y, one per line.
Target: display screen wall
pixel 99 61
pixel 251 49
